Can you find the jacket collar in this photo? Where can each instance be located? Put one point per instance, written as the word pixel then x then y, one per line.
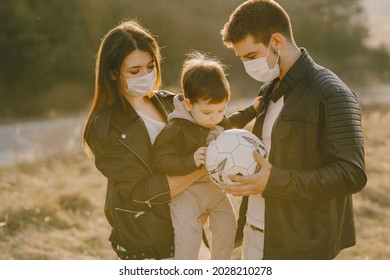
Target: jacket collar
pixel 290 79
pixel 180 111
pixel 123 114
pixel 157 102
pixel 132 131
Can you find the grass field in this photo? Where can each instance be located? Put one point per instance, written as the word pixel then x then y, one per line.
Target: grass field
pixel 54 209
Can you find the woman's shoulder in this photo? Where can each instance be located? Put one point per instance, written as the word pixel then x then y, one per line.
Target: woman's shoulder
pixel 99 126
pixel 165 97
pixel 106 119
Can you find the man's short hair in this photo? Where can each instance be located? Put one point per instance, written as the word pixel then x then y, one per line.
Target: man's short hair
pixel 259 18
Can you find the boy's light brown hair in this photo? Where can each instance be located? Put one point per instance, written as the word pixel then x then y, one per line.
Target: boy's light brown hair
pixel 204 78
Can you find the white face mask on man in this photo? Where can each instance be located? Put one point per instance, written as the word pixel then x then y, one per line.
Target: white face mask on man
pixel 259 70
pixel 141 86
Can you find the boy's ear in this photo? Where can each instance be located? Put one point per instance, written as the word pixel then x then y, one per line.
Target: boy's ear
pixel 187 104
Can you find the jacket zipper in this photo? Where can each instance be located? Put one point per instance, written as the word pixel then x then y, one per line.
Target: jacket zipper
pixel 136 214
pixel 147 166
pixel 150 203
pixel 297 118
pixel 150 171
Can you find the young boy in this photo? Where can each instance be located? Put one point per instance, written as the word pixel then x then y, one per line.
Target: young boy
pixel 180 149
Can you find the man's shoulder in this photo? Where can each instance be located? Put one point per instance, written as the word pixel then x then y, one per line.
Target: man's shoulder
pixel 326 82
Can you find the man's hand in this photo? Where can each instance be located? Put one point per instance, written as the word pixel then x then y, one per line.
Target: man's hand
pixel 253 184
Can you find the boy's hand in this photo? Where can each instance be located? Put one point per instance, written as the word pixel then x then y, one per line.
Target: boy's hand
pixel 200 156
pixel 256 103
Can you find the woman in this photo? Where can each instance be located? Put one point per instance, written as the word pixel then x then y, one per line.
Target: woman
pixel 126 115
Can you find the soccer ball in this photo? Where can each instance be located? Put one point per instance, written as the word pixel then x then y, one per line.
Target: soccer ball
pixel 232 153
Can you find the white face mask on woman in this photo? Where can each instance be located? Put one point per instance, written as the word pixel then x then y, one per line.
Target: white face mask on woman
pixel 259 70
pixel 141 86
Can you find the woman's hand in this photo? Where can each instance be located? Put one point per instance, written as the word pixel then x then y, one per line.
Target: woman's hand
pixel 177 184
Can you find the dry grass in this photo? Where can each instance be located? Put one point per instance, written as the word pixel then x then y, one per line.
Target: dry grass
pixel 54 209
pixel 372 205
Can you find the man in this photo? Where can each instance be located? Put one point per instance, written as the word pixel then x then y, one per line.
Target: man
pixel 300 202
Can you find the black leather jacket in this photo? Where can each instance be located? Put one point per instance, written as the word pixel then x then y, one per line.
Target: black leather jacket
pixel 175 145
pixel 317 158
pixel 137 196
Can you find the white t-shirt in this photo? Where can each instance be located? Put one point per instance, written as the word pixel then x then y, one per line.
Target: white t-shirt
pixel 153 126
pixel 255 212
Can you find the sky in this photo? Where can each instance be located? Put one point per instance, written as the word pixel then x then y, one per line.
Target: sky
pixel 379 20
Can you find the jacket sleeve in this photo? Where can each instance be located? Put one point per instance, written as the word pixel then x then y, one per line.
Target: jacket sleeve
pixel 241 118
pixel 341 147
pixel 169 155
pixel 131 178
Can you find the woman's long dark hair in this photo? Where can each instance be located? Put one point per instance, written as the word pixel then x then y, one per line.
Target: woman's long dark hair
pixel 115 46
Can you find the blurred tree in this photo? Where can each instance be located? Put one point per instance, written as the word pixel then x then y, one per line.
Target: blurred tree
pixel 42 44
pixel 47 47
pixel 179 26
pixel 335 33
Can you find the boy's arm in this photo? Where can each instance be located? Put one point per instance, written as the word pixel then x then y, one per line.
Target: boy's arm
pixel 168 153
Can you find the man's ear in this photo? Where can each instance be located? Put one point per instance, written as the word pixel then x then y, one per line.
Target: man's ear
pixel 113 75
pixel 187 104
pixel 278 41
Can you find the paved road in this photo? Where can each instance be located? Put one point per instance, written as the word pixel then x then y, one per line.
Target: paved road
pixel 34 140
pixel 29 141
